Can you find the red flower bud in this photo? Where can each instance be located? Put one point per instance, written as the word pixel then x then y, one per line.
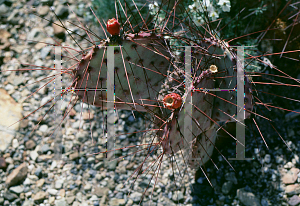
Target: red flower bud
pixel 113 26
pixel 172 101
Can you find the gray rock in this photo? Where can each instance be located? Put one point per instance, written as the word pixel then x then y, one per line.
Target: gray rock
pixel 18 80
pixel 91 160
pixel 111 184
pixel 116 202
pixel 122 137
pixel 170 195
pixel 101 191
pixel 87 187
pixel 17 189
pixel 45 148
pixel 33 155
pixel 9 160
pixel 28 203
pixel 231 177
pixel 34 177
pixel 76 203
pixel 112 118
pixel 79 196
pixel 111 165
pixel 39 196
pixel 35 34
pixel 52 191
pixel 279 159
pixel 144 183
pixel 30 144
pixel 247 198
pixel 136 196
pixel 177 196
pixel 38 172
pixel 61 202
pixel 74 156
pixel 226 187
pixel 14 17
pixel 3 10
pixel 82 136
pixel 43 10
pixel 98 177
pixel 98 165
pixel 10 167
pixel 264 202
pixel 45 100
pixel 130 118
pixel 9 196
pixel 53 165
pixel 94 198
pixel 61 11
pixel 290 132
pixel 59 184
pixel 70 199
pixel 45 51
pixel 119 195
pixel 292 115
pixel 43 128
pixel 17 175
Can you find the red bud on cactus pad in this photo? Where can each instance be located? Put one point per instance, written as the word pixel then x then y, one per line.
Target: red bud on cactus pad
pixel 113 26
pixel 172 101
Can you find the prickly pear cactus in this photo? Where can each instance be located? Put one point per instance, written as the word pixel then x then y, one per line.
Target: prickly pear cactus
pixel 141 63
pixel 209 108
pixel 147 71
pixel 200 119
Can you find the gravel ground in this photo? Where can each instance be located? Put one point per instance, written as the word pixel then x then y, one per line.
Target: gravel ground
pixel 32 172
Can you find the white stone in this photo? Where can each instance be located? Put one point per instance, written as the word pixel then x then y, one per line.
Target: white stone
pixel 53 165
pixel 59 184
pixel 27 181
pixel 15 143
pixel 33 155
pixel 267 158
pixel 43 128
pixel 52 191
